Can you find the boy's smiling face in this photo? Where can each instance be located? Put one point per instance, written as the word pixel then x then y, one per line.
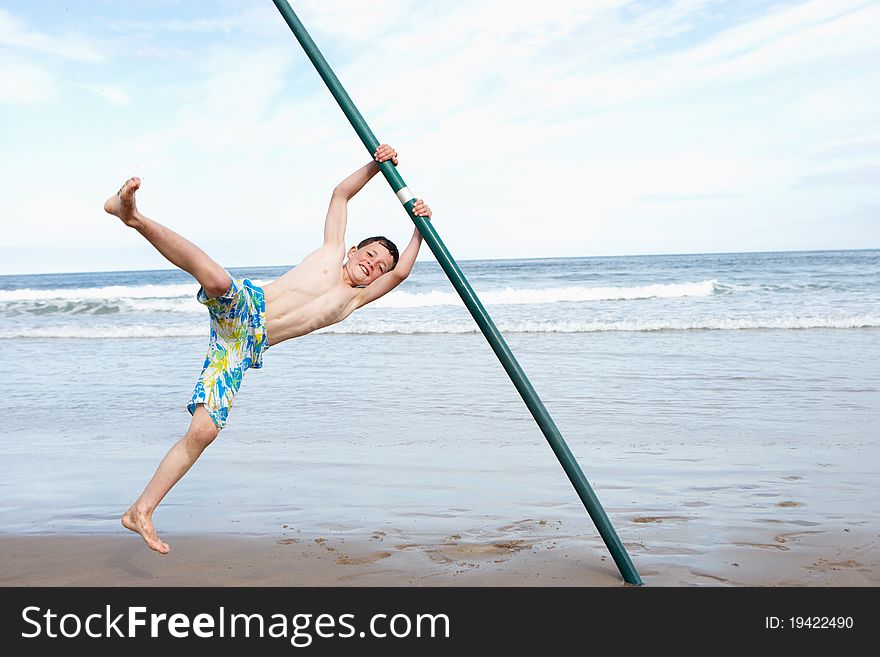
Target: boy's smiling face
pixel 368 263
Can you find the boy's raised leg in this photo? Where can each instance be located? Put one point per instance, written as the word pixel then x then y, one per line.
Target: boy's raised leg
pixel 178 460
pixel 177 250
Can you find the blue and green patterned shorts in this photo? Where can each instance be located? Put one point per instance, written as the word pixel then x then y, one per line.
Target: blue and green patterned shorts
pixel 238 340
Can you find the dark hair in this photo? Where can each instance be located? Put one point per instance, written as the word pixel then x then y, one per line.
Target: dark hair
pixel 387 243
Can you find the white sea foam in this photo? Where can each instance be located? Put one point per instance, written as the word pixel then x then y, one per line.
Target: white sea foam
pixel 635 325
pixel 54 307
pixel 513 296
pixel 109 330
pixel 102 293
pixel 181 298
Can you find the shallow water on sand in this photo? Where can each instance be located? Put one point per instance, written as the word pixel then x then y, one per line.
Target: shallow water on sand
pixel 692 440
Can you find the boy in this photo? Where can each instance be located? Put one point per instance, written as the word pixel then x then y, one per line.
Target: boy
pixel 325 288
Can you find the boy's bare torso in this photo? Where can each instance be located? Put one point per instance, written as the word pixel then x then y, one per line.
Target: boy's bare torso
pixel 310 296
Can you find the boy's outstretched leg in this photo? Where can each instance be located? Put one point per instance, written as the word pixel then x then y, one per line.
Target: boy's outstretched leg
pixel 178 250
pixel 178 460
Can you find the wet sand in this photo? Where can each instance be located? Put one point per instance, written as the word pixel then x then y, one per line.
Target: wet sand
pixel 541 557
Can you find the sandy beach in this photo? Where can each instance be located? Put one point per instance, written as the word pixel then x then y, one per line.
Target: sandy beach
pixel 776 557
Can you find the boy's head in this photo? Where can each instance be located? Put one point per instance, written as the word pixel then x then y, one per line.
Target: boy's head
pixel 387 243
pixel 371 258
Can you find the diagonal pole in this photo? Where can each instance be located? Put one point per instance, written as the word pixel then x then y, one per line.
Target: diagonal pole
pixel 487 326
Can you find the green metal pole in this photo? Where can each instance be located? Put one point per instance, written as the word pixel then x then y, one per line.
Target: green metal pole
pixel 487 326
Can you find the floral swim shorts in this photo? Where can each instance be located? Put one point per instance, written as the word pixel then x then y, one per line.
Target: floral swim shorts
pixel 238 340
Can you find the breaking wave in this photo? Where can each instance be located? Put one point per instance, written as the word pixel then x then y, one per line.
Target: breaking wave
pixel 426 327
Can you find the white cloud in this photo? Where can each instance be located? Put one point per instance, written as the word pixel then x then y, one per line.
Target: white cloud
pixel 794 41
pixel 22 83
pixel 355 21
pixel 13 32
pixel 112 94
pixel 259 18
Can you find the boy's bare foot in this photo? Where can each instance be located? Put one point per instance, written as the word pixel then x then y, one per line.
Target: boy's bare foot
pixel 141 523
pixel 122 203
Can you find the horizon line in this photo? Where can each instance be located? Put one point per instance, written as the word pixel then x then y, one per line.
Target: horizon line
pixel 630 255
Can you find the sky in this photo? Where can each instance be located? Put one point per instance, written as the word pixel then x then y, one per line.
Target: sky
pixel 561 128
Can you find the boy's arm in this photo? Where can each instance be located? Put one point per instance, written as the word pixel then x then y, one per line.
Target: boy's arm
pixel 387 282
pixel 337 213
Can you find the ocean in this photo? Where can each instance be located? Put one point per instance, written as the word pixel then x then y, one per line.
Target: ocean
pixel 715 391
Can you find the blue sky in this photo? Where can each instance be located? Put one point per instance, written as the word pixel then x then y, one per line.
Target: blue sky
pixel 551 129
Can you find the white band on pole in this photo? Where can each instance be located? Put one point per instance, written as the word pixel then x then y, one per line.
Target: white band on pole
pixel 404 195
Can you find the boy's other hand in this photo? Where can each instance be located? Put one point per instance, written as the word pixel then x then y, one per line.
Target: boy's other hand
pixel 421 209
pixel 385 153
